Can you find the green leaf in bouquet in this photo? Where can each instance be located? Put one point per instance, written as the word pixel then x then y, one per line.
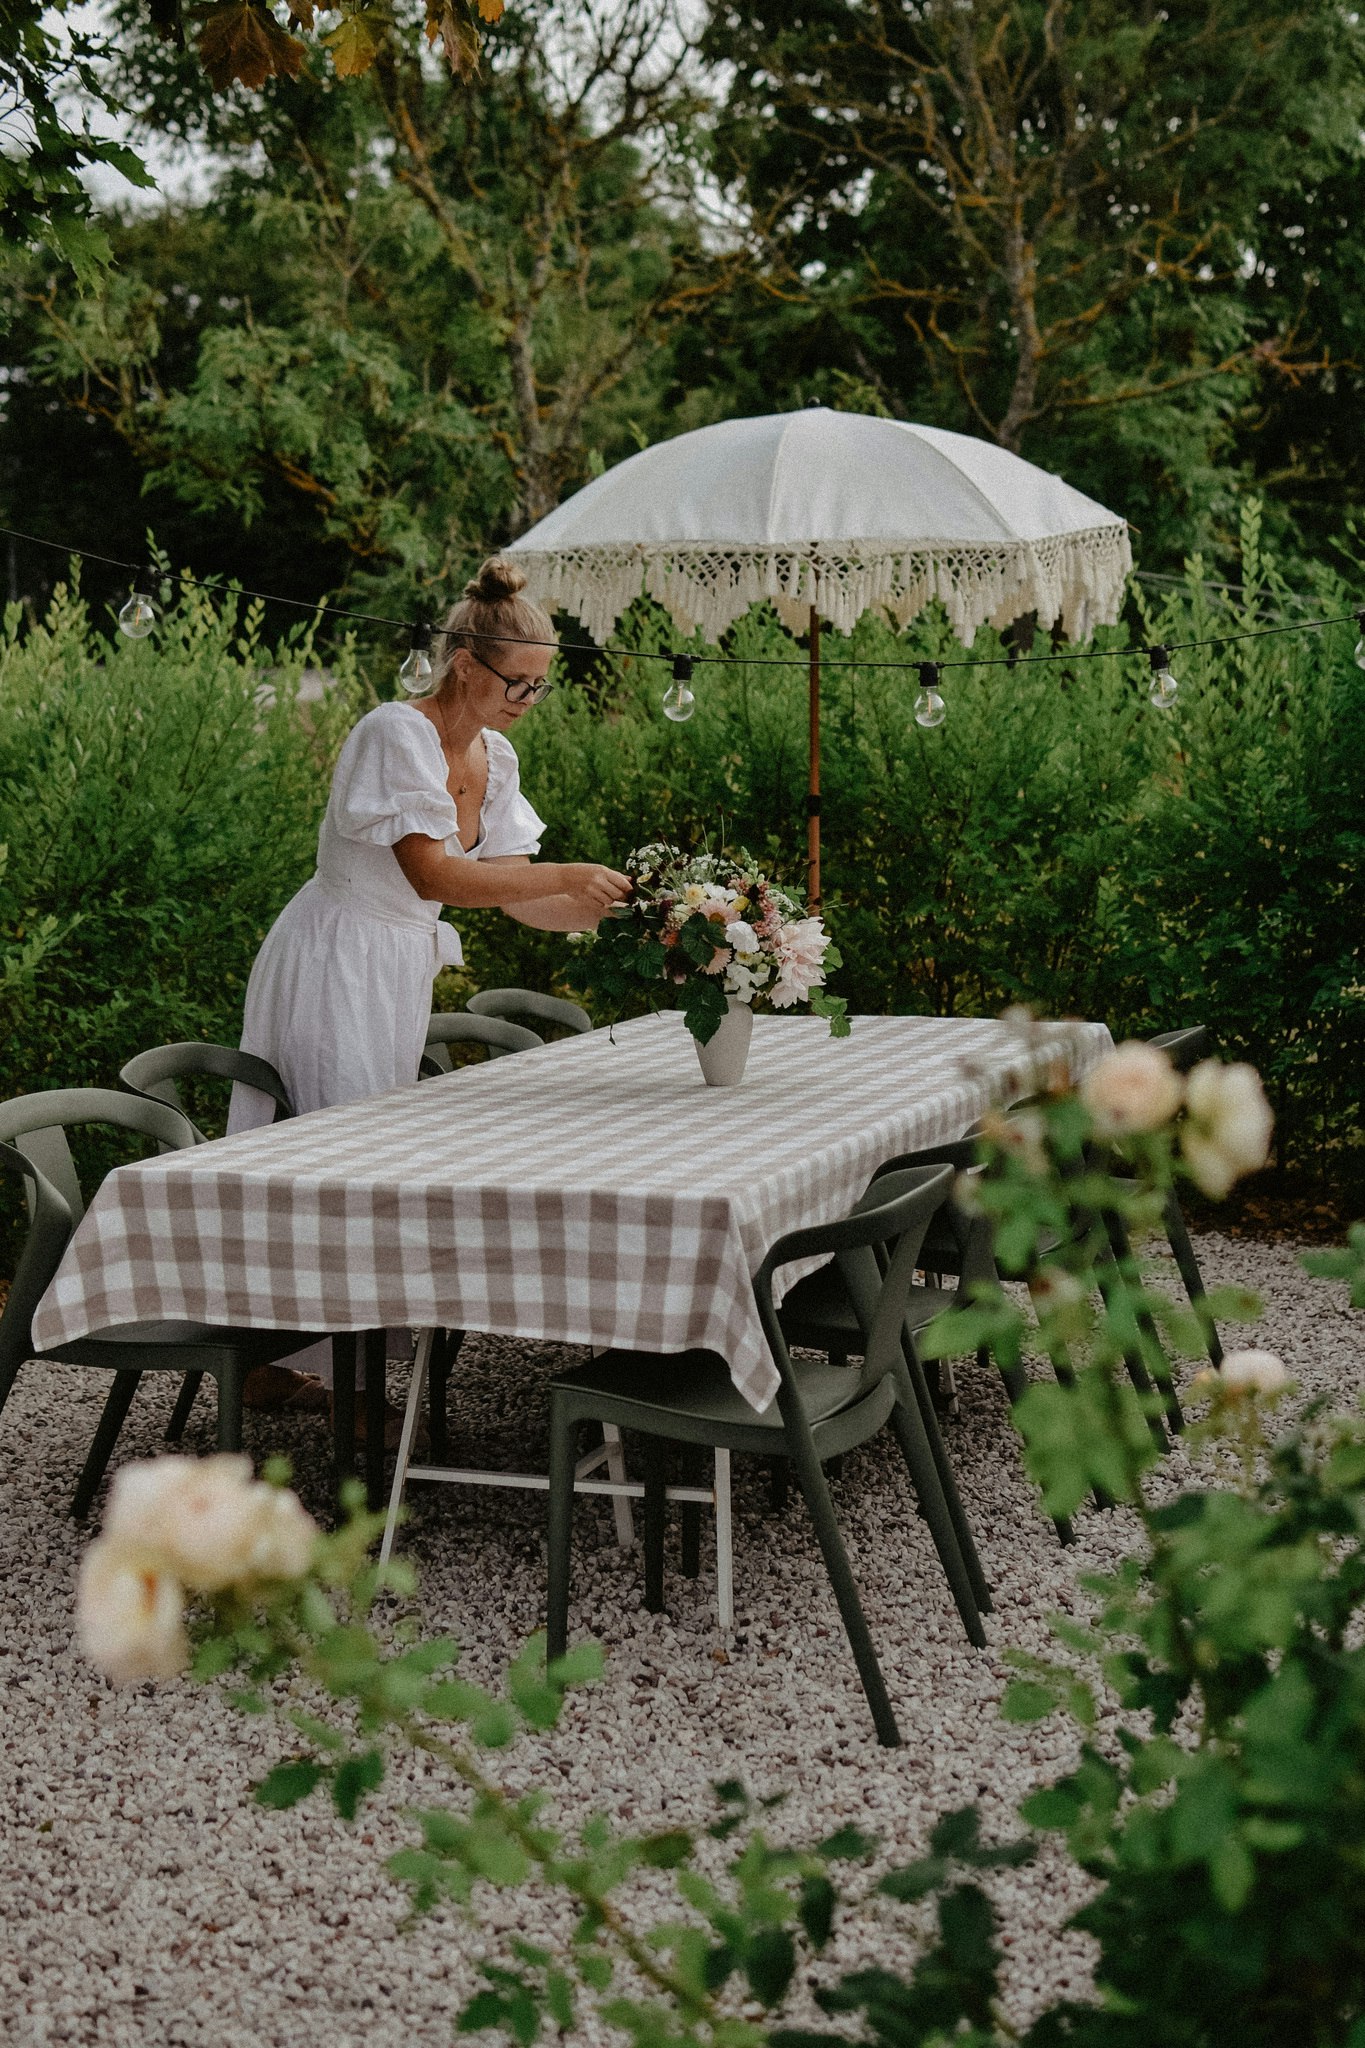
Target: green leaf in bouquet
pixel 704 1008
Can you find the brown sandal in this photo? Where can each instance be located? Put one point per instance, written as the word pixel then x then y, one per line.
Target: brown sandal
pixel 278 1389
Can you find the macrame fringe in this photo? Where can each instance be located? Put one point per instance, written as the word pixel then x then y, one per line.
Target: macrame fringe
pixel 1075 580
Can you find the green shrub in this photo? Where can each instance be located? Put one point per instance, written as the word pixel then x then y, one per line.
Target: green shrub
pixel 1057 841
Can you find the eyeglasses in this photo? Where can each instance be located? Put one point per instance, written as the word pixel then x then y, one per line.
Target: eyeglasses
pixel 517 689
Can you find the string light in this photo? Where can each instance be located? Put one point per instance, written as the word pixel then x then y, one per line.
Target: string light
pixel 678 700
pixel 930 709
pixel 1163 689
pixel 138 615
pixel 415 674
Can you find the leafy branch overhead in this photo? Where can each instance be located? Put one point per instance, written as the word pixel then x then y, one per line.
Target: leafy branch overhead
pixel 249 42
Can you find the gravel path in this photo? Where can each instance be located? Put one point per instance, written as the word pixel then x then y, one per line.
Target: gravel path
pixel 145 1899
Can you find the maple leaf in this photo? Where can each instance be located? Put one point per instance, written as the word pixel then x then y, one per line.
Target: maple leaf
pixel 240 42
pixel 301 13
pixel 491 10
pixel 355 42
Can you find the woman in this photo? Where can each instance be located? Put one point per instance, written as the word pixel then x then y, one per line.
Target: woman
pixel 425 809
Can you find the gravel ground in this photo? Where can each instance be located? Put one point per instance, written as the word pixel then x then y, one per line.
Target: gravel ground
pixel 145 1899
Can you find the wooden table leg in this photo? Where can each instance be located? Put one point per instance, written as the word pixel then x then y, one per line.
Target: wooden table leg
pixel 343 1404
pixel 376 1345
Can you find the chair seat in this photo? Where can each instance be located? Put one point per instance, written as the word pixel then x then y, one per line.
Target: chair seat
pixel 818 1314
pixel 696 1386
pixel 183 1345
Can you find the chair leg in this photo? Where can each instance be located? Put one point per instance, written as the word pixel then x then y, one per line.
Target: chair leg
pixel 779 1484
pixel 8 1376
pixel 344 1346
pixel 376 1407
pixel 444 1351
pixel 811 1480
pixel 425 1348
pixel 116 1406
pixel 1179 1238
pixel 560 1535
pixel 1121 1261
pixel 655 1506
pixel 230 1384
pixel 184 1401
pixel 908 1423
pixel 947 1478
pixel 694 1465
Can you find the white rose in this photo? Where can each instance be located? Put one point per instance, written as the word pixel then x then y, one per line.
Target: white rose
pixel 742 937
pixel 1133 1088
pixel 1253 1372
pixel 203 1519
pixel 129 1616
pixel 1227 1130
pixel 285 1536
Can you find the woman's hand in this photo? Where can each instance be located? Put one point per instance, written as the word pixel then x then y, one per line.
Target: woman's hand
pixel 596 888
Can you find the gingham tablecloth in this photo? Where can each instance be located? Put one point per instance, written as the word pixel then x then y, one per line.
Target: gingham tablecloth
pixel 588 1192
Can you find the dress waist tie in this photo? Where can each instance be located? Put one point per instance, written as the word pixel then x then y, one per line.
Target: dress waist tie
pixel 445 940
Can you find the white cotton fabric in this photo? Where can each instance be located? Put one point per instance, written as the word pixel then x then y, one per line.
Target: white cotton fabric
pixel 836 510
pixel 340 994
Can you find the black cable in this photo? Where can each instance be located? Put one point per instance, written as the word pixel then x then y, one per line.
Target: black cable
pixel 709 660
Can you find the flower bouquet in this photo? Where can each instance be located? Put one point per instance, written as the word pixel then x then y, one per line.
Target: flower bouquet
pixel 712 933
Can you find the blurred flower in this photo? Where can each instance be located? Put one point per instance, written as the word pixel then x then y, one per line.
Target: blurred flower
pixel 130 1616
pixel 1253 1372
pixel 1226 1132
pixel 1133 1088
pixel 742 936
pixel 206 1521
pixel 1022 1133
pixel 1053 1289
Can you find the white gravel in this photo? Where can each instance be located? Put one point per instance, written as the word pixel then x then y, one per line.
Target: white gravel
pixel 145 1899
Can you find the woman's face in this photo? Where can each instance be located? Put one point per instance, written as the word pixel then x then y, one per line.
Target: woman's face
pixel 500 689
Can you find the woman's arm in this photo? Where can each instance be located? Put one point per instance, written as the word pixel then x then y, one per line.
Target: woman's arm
pixel 441 877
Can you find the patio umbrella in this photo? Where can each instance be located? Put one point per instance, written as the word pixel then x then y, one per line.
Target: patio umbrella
pixel 826 515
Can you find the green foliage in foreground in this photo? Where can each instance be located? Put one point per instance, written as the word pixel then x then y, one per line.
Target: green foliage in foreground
pixel 1221 1814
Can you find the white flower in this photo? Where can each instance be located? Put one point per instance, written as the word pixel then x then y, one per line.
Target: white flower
pixel 285 1535
pixel 1253 1372
pixel 1133 1088
pixel 129 1616
pixel 205 1520
pixel 741 981
pixel 1227 1130
pixel 742 937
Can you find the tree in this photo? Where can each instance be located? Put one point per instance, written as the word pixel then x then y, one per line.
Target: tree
pixel 1037 219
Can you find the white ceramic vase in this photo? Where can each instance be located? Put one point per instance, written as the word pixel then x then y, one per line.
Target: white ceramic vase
pixel 723 1056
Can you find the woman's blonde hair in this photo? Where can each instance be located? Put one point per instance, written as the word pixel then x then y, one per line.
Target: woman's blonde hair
pixel 492 615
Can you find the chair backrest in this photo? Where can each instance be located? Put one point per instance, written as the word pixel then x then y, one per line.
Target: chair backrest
pixel 49 1232
pixel 457 1027
pixel 955 1242
pixel 155 1072
pixel 37 1126
pixel 894 1213
pixel 528 1003
pixel 1184 1049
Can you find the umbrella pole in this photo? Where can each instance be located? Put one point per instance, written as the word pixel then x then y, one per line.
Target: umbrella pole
pixel 813 796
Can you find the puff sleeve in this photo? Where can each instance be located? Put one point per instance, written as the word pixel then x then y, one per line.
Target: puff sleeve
pixel 390 780
pixel 510 826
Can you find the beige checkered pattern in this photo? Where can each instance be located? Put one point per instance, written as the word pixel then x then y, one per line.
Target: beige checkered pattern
pixel 591 1192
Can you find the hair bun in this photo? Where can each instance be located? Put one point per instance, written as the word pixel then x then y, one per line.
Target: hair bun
pixel 496 581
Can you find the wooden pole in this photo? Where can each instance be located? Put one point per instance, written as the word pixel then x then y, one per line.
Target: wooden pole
pixel 813 796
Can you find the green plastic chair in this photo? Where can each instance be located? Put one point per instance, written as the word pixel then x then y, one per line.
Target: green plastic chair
pixel 821 1411
pixel 33 1145
pixel 154 1073
pixel 446 1028
pixel 821 1313
pixel 523 1004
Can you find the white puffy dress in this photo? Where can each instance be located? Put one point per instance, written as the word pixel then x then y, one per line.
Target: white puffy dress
pixel 340 994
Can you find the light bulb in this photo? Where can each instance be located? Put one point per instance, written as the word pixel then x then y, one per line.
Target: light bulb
pixel 930 709
pixel 679 702
pixel 415 674
pixel 1360 643
pixel 138 615
pixel 1163 689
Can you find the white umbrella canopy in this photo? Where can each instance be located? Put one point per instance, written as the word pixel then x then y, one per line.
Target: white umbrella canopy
pixel 834 512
